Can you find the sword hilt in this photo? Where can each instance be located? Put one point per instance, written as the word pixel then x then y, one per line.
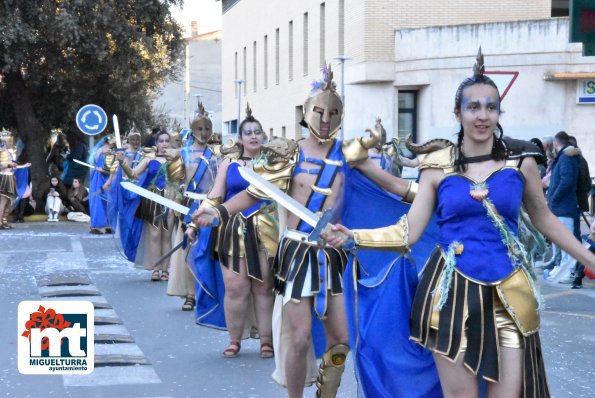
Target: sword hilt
pixel 348 244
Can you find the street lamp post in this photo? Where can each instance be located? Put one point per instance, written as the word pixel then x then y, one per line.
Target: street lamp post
pixel 239 83
pixel 342 59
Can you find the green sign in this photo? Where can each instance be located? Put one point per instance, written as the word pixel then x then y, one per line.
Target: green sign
pixel 582 24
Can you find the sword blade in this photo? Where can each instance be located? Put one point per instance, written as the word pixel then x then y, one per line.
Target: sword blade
pixel 84 163
pixel 117 132
pixel 145 193
pixel 169 253
pixel 279 196
pixel 195 196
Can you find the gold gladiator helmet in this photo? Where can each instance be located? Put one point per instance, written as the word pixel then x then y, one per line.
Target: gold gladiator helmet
pixel 201 126
pixel 323 109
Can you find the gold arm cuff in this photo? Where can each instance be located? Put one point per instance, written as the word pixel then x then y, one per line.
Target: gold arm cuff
pixel 211 202
pixel 192 225
pixel 411 192
pixel 392 238
pixel 127 169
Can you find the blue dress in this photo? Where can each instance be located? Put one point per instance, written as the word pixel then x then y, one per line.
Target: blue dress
pixel 97 199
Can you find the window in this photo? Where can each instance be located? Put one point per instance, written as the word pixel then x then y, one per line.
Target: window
pixel 245 74
pixel 407 117
pixel 299 115
pixel 266 62
pixel 290 50
pixel 236 74
pixel 341 49
pixel 277 56
pixel 254 66
pixel 305 55
pixel 322 35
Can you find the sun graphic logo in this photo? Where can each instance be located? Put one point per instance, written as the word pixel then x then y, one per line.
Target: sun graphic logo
pixel 56 337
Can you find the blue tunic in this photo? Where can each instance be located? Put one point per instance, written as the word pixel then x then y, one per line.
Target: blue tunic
pixel 236 184
pixel 464 219
pixel 98 202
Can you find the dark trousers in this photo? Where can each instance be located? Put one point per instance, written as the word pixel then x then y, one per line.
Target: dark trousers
pixel 23 208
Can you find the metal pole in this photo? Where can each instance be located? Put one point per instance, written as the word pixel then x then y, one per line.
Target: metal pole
pixel 239 82
pixel 342 59
pixel 187 85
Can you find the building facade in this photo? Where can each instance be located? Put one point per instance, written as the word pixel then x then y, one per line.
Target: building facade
pixel 272 51
pixel 199 79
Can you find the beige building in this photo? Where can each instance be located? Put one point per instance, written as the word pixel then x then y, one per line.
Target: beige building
pixel 199 79
pixel 276 49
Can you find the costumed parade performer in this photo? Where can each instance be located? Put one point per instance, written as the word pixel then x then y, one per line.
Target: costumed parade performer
pixel 308 277
pixel 13 178
pixel 123 202
pixel 246 244
pixel 161 171
pixel 200 163
pixel 104 160
pixel 476 305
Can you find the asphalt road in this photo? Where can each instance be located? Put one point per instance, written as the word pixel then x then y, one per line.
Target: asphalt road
pixel 176 358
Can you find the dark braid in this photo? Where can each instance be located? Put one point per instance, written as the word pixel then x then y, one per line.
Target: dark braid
pixel 461 166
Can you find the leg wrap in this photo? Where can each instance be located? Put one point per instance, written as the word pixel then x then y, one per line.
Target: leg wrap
pixel 330 371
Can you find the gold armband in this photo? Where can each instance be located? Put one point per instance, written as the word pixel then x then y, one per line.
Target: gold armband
pixel 192 226
pixel 127 169
pixel 356 149
pixel 211 202
pixel 392 238
pixel 411 192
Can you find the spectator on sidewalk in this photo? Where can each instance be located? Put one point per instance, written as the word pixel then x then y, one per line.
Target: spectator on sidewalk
pixel 79 151
pixel 78 197
pixel 562 198
pixel 55 199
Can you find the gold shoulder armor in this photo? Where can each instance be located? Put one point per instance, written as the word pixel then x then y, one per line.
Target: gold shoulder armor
pixel 216 148
pixel 175 165
pixel 109 162
pixel 440 159
pixel 356 149
pixel 434 154
pixel 276 169
pixel 150 152
pixel 231 150
pixel 279 150
pixel 4 157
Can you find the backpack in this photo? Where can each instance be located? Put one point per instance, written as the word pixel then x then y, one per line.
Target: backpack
pixel 583 189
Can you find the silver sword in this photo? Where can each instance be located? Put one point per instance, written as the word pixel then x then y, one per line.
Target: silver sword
pixel 321 225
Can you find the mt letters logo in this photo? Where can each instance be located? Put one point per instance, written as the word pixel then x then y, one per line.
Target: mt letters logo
pixel 56 337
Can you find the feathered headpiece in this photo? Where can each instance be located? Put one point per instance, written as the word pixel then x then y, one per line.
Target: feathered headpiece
pixel 5 134
pixel 479 67
pixel 326 83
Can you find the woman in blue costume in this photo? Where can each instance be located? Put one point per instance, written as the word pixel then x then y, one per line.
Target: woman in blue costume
pixel 159 171
pixel 123 202
pixel 104 160
pixel 476 305
pixel 246 244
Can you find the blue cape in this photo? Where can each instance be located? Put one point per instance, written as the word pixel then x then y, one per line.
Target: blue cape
pixel 378 295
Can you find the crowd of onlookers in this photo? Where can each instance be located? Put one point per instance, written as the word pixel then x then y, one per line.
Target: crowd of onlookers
pixel 567 184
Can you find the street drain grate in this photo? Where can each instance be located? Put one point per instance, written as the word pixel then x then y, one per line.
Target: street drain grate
pixel 104 320
pixel 70 292
pixel 120 360
pixel 109 338
pixel 63 280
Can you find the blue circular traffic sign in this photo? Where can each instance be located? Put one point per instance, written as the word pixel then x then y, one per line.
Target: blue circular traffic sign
pixel 91 119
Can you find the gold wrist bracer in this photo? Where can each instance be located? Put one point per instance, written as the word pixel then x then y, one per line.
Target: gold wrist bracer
pixel 392 238
pixel 411 192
